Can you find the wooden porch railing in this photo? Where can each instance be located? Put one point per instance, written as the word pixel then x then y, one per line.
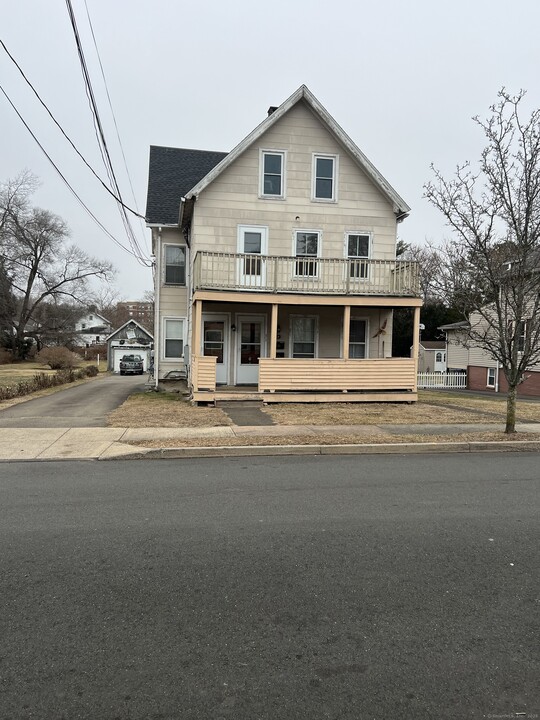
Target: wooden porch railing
pixel 269 273
pixel 203 372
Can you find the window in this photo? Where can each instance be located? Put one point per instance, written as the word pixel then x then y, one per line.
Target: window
pixel 438 357
pixel 491 377
pixel 173 338
pixel 521 333
pixel 175 264
pixel 357 339
pixel 324 177
pixel 358 251
pixel 90 317
pixel 303 332
pixel 307 246
pixel 272 174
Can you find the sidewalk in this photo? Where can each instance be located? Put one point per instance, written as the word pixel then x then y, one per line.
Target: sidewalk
pixel 96 443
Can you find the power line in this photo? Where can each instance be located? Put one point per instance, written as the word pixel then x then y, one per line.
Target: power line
pixel 63 131
pixel 64 179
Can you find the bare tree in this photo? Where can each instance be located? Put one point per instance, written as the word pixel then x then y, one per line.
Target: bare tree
pixel 492 264
pixel 41 265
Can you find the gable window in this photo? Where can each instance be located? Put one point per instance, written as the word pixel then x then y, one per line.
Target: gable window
pixel 173 338
pixel 357 339
pixel 491 377
pixel 303 337
pixel 307 247
pixel 175 264
pixel 358 252
pixel 324 177
pixel 272 174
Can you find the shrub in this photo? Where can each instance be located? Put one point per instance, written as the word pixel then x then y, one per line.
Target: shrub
pixel 58 358
pixel 92 370
pixel 91 353
pixel 5 356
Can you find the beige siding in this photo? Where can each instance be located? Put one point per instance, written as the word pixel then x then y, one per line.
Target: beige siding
pixel 457 355
pixel 232 198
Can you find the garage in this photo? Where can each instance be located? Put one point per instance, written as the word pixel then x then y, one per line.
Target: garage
pixel 119 351
pixel 130 339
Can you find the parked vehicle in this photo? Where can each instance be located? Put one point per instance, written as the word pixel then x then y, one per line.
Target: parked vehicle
pixel 131 364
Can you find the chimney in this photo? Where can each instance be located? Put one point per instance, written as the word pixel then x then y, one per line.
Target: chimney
pixel 272 109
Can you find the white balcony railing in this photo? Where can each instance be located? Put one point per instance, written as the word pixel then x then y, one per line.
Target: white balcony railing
pixel 327 276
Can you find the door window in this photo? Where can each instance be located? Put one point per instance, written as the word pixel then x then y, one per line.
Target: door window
pixel 213 339
pixel 250 343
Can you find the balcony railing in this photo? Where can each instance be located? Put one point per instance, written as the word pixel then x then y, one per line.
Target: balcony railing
pixel 307 275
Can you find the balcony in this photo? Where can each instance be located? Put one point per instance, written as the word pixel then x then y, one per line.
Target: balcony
pixel 306 275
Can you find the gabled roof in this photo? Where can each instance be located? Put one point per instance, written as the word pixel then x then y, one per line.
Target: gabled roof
pixel 130 322
pixel 94 314
pixel 433 344
pixel 400 206
pixel 172 173
pixel 176 173
pixel 455 326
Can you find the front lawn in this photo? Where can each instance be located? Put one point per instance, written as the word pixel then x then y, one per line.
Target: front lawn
pixel 12 373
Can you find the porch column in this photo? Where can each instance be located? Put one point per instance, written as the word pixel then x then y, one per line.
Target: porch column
pixel 416 344
pixel 273 332
pixel 196 330
pixel 346 330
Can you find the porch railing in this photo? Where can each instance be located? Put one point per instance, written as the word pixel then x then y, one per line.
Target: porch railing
pixel 306 275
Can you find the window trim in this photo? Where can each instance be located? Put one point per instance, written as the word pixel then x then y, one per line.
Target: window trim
pixel 346 255
pixel 489 370
pixel 270 151
pixel 315 257
pixel 164 269
pixel 335 175
pixel 315 339
pixel 163 344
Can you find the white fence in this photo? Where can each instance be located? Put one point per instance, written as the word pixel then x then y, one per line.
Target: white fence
pixel 440 381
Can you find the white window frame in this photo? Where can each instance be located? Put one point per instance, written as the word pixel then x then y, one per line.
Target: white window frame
pixel 324 156
pixel 369 235
pixel 269 151
pixel 315 257
pixel 164 263
pixel 315 340
pixel 366 320
pixel 164 321
pixel 489 371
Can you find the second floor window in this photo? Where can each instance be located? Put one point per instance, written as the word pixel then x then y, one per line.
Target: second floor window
pixel 175 264
pixel 307 248
pixel 272 174
pixel 324 177
pixel 357 252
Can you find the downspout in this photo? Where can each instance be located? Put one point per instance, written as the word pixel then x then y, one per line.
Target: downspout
pixel 157 328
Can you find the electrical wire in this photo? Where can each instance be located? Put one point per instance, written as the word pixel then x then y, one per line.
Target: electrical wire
pixel 137 214
pixel 64 179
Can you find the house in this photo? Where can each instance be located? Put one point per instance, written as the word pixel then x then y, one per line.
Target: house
pixel 91 329
pixel 483 371
pixel 129 338
pixel 276 273
pixel 432 356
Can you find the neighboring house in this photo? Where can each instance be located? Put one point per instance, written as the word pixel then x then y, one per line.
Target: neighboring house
pixel 483 372
pixel 130 338
pixel 432 356
pixel 276 273
pixel 91 329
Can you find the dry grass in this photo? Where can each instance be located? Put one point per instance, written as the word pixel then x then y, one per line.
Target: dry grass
pixel 164 410
pixel 527 411
pixel 381 438
pixel 12 373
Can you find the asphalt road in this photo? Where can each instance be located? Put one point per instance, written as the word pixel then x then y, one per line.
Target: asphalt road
pixel 271 588
pixel 84 405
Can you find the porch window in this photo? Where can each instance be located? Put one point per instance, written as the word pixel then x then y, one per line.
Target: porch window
pixel 357 339
pixel 175 264
pixel 307 247
pixel 303 337
pixel 358 253
pixel 324 177
pixel 272 174
pixel 173 338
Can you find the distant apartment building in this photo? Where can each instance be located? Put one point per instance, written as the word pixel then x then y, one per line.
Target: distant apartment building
pixel 142 312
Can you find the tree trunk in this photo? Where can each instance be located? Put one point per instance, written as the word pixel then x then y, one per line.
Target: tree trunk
pixel 511 409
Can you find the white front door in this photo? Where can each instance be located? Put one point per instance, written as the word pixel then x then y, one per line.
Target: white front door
pixel 253 243
pixel 250 346
pixel 215 343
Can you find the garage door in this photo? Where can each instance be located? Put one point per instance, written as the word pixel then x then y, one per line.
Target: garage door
pixel 119 352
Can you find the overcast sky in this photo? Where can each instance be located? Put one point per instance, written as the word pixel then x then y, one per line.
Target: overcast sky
pixel 402 78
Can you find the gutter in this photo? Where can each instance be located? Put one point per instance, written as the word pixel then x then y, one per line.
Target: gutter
pixel 157 328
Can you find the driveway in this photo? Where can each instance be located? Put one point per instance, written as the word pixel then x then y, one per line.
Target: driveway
pixel 84 405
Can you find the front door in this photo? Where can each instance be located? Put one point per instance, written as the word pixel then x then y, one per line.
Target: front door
pixel 215 342
pixel 250 345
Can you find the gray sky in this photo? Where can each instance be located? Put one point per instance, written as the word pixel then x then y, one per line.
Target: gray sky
pixel 402 78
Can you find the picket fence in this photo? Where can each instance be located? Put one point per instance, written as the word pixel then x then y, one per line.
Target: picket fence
pixel 438 381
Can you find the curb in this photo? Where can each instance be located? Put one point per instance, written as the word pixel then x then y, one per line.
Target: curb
pixel 366 449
